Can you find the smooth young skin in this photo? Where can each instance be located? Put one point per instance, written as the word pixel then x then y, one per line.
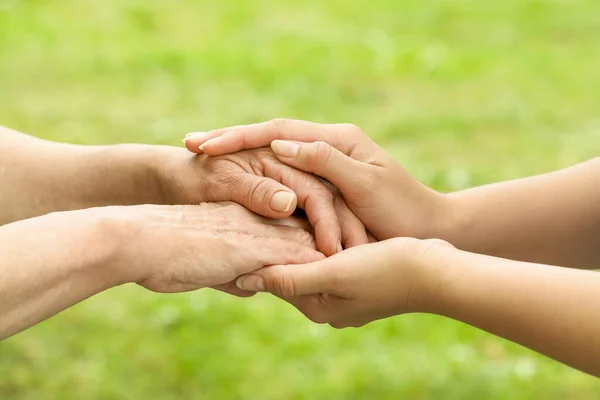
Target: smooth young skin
pixel 551 219
pixel 50 263
pixel 549 309
pixel 38 177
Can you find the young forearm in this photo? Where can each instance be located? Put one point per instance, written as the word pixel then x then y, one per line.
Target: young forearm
pixel 37 176
pixel 549 309
pixel 550 219
pixel 51 262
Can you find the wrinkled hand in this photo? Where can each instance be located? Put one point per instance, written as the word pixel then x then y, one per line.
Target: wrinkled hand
pixel 264 185
pixel 389 201
pixel 184 248
pixel 359 285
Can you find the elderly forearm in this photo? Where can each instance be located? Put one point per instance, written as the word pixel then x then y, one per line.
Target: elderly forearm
pixel 549 309
pixel 51 262
pixel 37 176
pixel 550 219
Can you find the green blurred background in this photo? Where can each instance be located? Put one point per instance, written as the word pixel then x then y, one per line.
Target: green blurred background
pixel 462 92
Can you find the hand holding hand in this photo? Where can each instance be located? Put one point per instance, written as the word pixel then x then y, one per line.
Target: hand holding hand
pixel 264 185
pixel 377 189
pixel 359 285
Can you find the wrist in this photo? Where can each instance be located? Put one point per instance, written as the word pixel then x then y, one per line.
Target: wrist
pixel 438 218
pixel 457 226
pixel 432 274
pixel 129 174
pixel 91 241
pixel 180 175
pixel 114 230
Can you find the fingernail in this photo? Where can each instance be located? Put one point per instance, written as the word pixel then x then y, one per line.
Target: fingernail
pixel 196 135
pixel 211 141
pixel 284 148
pixel 340 248
pixel 252 283
pixel 282 201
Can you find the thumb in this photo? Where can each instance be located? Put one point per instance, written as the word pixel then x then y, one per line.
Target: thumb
pixel 322 159
pixel 264 196
pixel 289 280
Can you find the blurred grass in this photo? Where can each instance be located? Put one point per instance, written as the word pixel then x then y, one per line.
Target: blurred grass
pixel 462 92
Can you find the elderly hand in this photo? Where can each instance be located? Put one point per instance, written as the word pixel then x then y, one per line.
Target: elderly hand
pixel 183 248
pixel 263 184
pixel 377 189
pixel 52 262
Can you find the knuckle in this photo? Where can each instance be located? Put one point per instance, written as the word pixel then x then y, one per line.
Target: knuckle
pixel 430 244
pixel 305 238
pixel 338 324
pixel 325 195
pixel 322 153
pixel 337 280
pixel 225 178
pixel 352 129
pixel 281 285
pixel 318 316
pixel 280 122
pixel 257 193
pixel 321 188
pixel 243 140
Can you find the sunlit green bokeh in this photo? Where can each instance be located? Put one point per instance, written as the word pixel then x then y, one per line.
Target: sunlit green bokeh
pixel 462 92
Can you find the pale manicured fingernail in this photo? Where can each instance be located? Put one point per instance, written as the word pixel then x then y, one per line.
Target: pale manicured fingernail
pixel 340 248
pixel 282 201
pixel 211 141
pixel 196 135
pixel 252 283
pixel 284 148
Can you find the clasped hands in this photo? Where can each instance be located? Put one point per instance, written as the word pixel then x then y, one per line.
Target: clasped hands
pixel 352 192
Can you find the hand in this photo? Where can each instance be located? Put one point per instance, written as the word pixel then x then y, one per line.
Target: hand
pixel 256 179
pixel 184 248
pixel 377 189
pixel 357 286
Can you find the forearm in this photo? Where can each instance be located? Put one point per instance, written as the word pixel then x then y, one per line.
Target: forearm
pixel 37 176
pixel 50 263
pixel 550 219
pixel 552 310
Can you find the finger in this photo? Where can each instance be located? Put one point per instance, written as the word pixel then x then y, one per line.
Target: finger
pixel 193 140
pixel 261 195
pixel 316 200
pixel 275 251
pixel 233 290
pixel 294 222
pixel 261 135
pixel 322 159
pixel 353 230
pixel 271 229
pixel 288 281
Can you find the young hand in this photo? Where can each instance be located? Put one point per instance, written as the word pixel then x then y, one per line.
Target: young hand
pixel 357 286
pixel 377 189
